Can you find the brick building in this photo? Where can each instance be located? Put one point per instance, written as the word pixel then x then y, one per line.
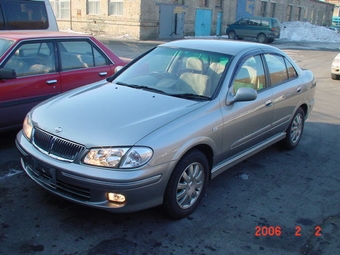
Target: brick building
pixel 173 19
pixel 336 3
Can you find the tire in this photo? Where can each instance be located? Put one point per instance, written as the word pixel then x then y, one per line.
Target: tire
pixel 295 130
pixel 232 35
pixel 262 38
pixel 334 76
pixel 187 185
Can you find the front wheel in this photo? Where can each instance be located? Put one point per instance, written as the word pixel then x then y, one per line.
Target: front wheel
pixel 232 35
pixel 186 185
pixel 294 131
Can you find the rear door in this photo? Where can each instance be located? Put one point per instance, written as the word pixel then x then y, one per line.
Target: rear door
pixel 81 62
pixel 286 90
pixel 37 79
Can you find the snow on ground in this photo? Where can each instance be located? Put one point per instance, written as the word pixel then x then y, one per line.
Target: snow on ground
pixel 292 31
pixel 305 31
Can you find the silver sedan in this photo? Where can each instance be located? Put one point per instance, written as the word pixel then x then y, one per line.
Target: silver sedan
pixel 159 129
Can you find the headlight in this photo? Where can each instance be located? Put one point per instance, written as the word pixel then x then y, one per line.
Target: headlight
pixel 27 127
pixel 119 157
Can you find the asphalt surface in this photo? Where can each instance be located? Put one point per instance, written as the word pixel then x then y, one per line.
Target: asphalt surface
pixel 295 194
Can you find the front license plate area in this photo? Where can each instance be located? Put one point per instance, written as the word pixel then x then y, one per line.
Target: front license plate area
pixel 45 174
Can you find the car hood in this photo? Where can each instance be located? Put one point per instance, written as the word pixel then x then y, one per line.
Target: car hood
pixel 106 114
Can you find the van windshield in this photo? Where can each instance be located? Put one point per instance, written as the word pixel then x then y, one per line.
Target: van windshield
pixel 4 45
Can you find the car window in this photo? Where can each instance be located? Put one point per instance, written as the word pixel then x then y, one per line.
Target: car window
pixel 80 54
pixel 254 22
pixel 177 71
pixel 277 68
pixel 27 15
pixel 32 58
pixel 264 23
pixel 250 75
pixel 4 45
pixel 291 70
pixel 242 22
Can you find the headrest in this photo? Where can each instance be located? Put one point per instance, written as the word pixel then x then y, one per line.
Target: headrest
pixel 194 64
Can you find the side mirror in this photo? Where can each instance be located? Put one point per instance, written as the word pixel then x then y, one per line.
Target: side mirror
pixel 118 68
pixel 243 94
pixel 7 73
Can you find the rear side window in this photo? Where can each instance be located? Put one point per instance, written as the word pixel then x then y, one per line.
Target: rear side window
pixel 26 15
pixel 265 23
pixel 80 54
pixel 280 69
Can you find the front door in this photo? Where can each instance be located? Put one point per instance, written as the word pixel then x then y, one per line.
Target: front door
pixel 203 22
pixel 171 21
pixel 248 123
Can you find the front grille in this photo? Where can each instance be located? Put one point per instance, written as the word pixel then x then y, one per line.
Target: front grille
pixel 55 146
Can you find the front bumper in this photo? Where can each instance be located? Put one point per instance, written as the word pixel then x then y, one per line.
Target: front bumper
pixel 88 185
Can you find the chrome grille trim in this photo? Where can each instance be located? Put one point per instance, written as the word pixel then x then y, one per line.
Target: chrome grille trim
pixel 55 146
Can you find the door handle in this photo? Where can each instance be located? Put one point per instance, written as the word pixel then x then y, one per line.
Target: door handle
pixel 50 82
pixel 298 90
pixel 102 73
pixel 268 102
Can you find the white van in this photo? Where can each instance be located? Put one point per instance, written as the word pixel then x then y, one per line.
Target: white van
pixel 27 15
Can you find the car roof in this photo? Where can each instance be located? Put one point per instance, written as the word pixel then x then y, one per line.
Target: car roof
pixel 34 34
pixel 228 47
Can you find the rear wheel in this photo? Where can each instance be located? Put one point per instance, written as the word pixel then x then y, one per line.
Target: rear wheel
pixel 232 35
pixel 294 131
pixel 187 185
pixel 262 38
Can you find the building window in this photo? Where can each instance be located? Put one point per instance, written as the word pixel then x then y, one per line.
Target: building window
pixel 203 3
pixel 115 7
pixel 272 9
pixel 289 13
pixel 263 8
pixel 218 4
pixel 61 8
pixel 178 2
pixel 299 13
pixel 93 7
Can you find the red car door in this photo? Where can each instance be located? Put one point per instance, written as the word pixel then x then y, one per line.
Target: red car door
pixel 36 81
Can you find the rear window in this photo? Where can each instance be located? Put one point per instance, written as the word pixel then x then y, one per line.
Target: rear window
pixel 26 15
pixel 276 23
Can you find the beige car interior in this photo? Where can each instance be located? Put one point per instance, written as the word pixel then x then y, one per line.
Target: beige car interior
pixel 195 78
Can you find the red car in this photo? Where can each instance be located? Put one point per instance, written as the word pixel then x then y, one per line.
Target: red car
pixel 36 65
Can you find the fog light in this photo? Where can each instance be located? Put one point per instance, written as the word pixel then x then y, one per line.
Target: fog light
pixel 115 198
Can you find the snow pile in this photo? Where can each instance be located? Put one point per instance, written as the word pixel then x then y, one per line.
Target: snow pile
pixel 305 31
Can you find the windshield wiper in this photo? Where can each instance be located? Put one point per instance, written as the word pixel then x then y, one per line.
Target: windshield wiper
pixel 191 96
pixel 142 87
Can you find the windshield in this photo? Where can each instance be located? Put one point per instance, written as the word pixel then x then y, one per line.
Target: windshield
pixel 4 45
pixel 184 73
